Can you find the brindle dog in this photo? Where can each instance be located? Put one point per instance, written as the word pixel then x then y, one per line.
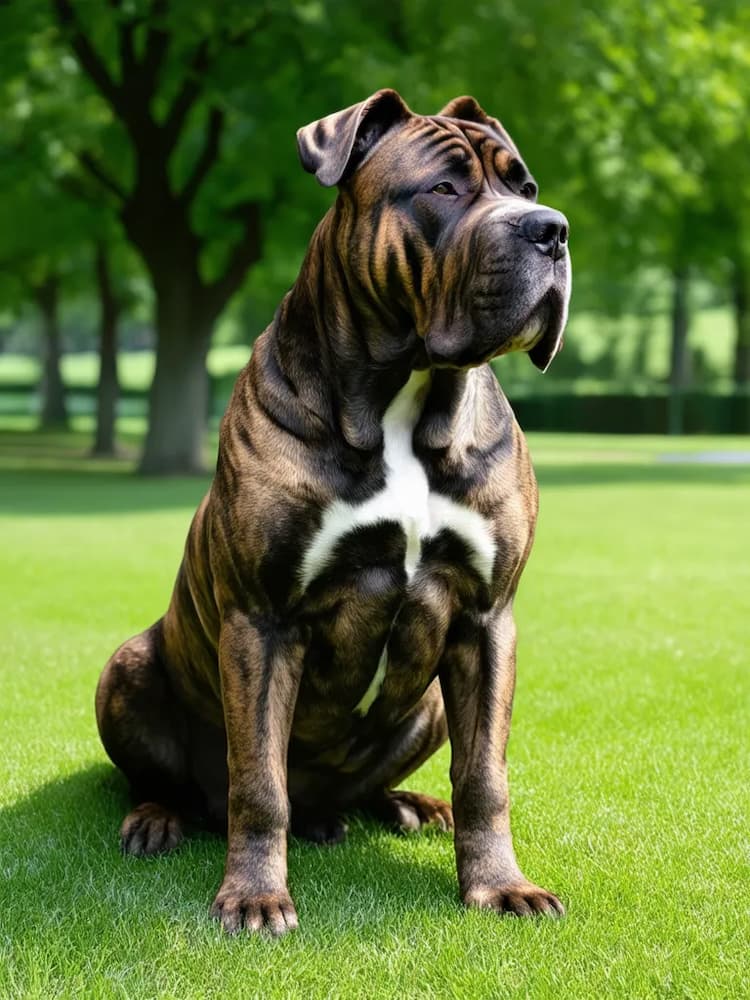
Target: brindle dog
pixel 344 603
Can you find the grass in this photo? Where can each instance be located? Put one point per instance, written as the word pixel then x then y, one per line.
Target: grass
pixel 629 757
pixel 135 368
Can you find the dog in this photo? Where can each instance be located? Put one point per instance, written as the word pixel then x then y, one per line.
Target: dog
pixel 344 603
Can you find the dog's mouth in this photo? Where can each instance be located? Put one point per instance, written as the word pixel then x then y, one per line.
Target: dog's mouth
pixel 540 334
pixel 530 332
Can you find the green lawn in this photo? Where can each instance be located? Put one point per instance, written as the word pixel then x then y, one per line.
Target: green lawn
pixel 135 368
pixel 629 757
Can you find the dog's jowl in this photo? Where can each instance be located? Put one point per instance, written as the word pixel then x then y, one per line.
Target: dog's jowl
pixel 344 604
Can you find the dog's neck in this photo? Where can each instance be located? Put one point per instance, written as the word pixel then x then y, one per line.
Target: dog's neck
pixel 345 357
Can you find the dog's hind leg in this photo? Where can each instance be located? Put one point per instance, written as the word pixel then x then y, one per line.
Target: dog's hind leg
pixel 142 728
pixel 415 739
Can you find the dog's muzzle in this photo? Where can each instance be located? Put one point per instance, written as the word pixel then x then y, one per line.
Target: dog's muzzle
pixel 547 229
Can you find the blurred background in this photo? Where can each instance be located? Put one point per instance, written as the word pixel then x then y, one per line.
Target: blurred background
pixel 153 210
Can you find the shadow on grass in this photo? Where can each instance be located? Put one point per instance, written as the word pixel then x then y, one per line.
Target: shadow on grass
pixel 64 878
pixel 45 473
pixel 33 488
pixel 45 492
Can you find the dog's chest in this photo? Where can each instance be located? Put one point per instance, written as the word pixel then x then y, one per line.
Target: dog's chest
pixel 405 500
pixel 380 575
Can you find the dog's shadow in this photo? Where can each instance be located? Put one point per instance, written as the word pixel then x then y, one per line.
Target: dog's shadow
pixel 63 872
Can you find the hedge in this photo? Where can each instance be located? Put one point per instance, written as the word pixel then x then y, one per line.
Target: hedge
pixel 610 413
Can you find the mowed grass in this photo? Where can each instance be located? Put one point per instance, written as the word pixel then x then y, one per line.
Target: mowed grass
pixel 629 757
pixel 135 368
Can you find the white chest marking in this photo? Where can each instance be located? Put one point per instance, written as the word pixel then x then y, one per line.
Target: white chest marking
pixel 405 498
pixel 373 690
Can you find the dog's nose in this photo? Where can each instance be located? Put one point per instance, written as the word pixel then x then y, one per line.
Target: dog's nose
pixel 547 230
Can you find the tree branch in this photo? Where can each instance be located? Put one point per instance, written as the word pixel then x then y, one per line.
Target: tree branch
pixel 92 166
pixel 155 49
pixel 244 254
pixel 88 58
pixel 208 155
pixel 186 96
pixel 126 28
pixel 192 86
pixel 76 187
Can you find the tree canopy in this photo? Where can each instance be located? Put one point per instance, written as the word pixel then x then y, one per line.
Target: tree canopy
pixel 170 125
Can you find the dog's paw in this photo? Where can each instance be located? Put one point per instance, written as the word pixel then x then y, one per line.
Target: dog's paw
pixel 150 829
pixel 238 908
pixel 521 899
pixel 320 829
pixel 410 811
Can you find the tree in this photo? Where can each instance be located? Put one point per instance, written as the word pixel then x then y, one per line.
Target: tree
pixel 157 212
pixel 183 118
pixel 45 291
pixel 171 122
pixel 107 388
pixel 40 258
pixel 48 223
pixel 729 179
pixel 656 96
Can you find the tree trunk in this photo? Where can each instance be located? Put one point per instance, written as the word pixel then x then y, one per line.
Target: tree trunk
pixel 107 388
pixel 741 290
pixel 186 311
pixel 678 366
pixel 187 307
pixel 54 410
pixel 178 398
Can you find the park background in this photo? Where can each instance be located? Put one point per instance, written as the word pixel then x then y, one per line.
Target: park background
pixel 152 213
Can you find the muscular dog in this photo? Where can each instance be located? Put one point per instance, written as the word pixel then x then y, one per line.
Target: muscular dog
pixel 344 603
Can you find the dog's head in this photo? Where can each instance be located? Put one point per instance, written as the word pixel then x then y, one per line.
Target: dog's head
pixel 440 222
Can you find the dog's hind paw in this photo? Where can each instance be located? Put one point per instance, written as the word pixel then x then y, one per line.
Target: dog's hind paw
pixel 150 829
pixel 319 828
pixel 410 811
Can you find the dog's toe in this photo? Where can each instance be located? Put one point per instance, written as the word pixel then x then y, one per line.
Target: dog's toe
pixel 237 907
pixel 520 899
pixel 411 811
pixel 150 829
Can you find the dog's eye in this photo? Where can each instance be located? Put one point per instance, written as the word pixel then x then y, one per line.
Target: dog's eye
pixel 529 190
pixel 444 187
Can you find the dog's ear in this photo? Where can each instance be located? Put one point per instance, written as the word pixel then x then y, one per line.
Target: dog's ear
pixel 333 147
pixel 468 109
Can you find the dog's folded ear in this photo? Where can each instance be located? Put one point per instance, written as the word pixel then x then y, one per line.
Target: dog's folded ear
pixel 468 109
pixel 333 147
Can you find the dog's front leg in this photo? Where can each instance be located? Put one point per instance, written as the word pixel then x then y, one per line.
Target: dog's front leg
pixel 477 676
pixel 260 669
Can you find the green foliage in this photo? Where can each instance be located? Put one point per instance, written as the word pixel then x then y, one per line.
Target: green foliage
pixel 634 118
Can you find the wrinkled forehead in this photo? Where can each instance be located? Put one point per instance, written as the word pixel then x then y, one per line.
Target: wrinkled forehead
pixel 479 135
pixel 428 142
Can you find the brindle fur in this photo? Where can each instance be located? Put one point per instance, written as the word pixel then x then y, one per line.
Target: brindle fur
pixel 237 705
